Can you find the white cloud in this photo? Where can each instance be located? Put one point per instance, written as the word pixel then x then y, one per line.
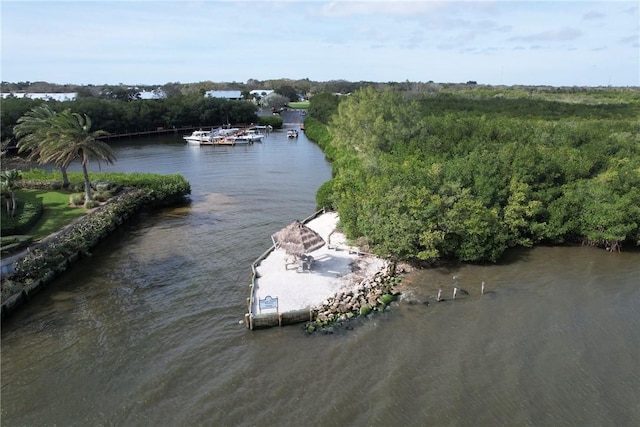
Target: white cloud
pixel 102 41
pixel 562 34
pixel 593 16
pixel 344 9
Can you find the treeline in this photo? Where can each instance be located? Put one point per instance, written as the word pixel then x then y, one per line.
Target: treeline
pixel 118 117
pixel 307 88
pixel 446 176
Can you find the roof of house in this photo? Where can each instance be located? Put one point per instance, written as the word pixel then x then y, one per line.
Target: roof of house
pixel 152 94
pixel 228 94
pixel 67 96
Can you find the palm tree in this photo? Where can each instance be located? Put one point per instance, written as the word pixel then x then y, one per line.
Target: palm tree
pixel 76 141
pixel 7 180
pixel 33 135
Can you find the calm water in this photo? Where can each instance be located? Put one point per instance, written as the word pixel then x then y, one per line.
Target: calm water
pixel 146 332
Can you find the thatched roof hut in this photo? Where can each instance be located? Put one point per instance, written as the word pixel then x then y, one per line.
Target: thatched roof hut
pixel 297 239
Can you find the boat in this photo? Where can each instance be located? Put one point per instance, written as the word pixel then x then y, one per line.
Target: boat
pixel 198 137
pixel 246 137
pixel 292 133
pixel 263 129
pixel 209 137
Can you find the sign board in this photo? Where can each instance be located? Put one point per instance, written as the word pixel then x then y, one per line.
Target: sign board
pixel 268 302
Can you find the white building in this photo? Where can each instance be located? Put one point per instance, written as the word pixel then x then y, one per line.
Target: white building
pixel 226 94
pixel 68 96
pixel 261 93
pixel 152 94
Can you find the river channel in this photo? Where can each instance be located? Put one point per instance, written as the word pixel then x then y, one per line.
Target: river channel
pixel 146 332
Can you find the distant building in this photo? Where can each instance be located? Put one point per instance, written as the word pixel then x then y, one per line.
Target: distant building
pixel 152 94
pixel 68 96
pixel 226 94
pixel 261 92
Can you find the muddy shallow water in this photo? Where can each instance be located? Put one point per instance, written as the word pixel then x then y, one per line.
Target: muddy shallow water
pixel 146 332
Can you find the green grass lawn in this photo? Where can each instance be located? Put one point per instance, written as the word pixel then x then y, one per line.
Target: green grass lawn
pixel 302 105
pixel 56 213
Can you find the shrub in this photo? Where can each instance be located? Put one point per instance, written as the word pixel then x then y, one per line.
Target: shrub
pixel 91 204
pixel 76 199
pixel 102 196
pixel 34 184
pixel 28 212
pixel 275 121
pixel 102 185
pixel 318 132
pixel 324 196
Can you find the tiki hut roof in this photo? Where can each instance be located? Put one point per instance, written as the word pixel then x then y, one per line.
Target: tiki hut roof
pixel 298 239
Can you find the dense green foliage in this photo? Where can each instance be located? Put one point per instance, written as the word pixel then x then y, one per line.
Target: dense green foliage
pixel 117 117
pixel 273 120
pixel 318 132
pixel 60 138
pixel 164 190
pixel 29 211
pixel 323 105
pixel 429 177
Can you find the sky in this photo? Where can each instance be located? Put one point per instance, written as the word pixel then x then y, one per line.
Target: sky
pixel 151 42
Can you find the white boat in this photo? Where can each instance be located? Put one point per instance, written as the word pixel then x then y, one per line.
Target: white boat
pixel 198 137
pixel 209 137
pixel 292 133
pixel 263 129
pixel 246 137
pixel 227 132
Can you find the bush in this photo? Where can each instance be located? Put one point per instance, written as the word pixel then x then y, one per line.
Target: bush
pixel 91 204
pixel 102 185
pixel 28 212
pixel 33 184
pixel 76 199
pixel 324 196
pixel 163 189
pixel 318 132
pixel 275 121
pixel 102 196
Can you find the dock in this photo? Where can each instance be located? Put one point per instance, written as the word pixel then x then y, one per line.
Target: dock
pixel 284 292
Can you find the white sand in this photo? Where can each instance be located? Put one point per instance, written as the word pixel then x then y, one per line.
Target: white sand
pixel 333 270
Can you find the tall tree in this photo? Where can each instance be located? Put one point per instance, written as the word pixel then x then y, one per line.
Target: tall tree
pixel 77 142
pixel 33 134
